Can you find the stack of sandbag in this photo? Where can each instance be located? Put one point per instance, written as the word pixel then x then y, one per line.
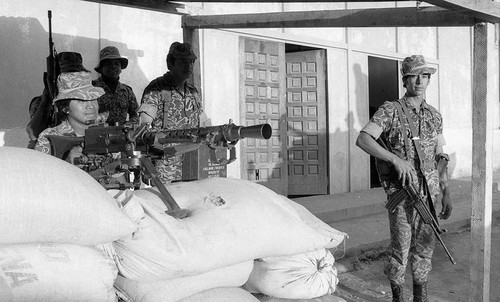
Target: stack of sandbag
pixel 302 276
pixel 52 217
pixel 231 222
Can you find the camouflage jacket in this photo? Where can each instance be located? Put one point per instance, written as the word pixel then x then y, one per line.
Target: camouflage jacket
pixel 428 122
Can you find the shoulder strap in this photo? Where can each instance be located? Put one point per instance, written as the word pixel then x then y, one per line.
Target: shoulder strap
pixel 407 144
pixel 414 133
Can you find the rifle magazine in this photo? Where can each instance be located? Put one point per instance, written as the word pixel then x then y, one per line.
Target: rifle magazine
pixel 395 199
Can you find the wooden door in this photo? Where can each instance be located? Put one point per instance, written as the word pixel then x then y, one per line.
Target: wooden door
pixel 263 101
pixel 306 119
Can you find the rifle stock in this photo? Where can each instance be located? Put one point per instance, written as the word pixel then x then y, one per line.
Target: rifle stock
pixel 61 145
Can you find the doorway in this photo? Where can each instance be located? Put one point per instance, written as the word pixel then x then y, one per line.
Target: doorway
pixel 383 85
pixel 285 85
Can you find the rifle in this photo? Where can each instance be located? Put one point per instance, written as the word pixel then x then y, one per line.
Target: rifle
pixel 408 192
pixel 133 139
pixel 45 116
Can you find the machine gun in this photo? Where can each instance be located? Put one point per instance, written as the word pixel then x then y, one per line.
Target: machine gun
pixel 138 144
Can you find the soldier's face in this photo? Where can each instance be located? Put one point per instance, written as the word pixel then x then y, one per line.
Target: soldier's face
pixel 83 112
pixel 111 68
pixel 417 84
pixel 183 68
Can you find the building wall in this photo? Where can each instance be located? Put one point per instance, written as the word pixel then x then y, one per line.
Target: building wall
pixel 144 37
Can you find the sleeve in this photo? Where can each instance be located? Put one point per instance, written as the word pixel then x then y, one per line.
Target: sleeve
pixel 150 104
pixel 43 143
pixel 381 121
pixel 439 129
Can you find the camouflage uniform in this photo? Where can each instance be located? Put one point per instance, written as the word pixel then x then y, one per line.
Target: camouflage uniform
pixel 117 103
pixel 171 110
pixel 410 236
pixel 63 129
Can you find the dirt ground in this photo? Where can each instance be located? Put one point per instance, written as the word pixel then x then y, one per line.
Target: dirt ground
pixel 365 280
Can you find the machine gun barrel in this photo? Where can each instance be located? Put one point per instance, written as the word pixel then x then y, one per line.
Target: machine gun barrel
pixel 228 133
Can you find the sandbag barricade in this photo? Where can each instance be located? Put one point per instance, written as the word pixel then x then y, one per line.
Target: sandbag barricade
pixel 176 289
pixel 231 221
pixel 222 294
pixel 303 276
pixel 45 199
pixel 56 273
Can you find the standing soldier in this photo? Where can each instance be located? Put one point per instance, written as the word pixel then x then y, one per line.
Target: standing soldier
pixel 412 130
pixel 170 102
pixel 119 99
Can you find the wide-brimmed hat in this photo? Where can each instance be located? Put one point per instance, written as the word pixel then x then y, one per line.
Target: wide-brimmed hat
pixel 182 51
pixel 111 53
pixel 70 62
pixel 416 65
pixel 76 86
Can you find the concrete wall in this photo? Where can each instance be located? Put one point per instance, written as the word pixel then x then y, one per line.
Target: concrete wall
pixel 144 37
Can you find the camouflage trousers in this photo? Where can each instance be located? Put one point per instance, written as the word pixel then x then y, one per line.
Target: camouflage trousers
pixel 411 239
pixel 169 169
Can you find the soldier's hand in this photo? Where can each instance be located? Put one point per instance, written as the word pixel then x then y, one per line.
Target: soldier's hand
pixel 74 153
pixel 405 170
pixel 447 206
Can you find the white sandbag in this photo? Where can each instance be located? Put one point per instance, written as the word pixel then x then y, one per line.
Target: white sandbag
pixel 45 199
pixel 55 272
pixel 302 276
pixel 222 294
pixel 231 221
pixel 177 289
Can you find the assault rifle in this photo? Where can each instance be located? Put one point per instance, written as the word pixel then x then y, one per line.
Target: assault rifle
pixel 138 144
pixel 409 192
pixel 45 116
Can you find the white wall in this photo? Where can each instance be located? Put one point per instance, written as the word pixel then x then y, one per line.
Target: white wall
pixel 144 37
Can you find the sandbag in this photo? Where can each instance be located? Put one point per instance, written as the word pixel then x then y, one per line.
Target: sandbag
pixel 222 294
pixel 303 276
pixel 45 199
pixel 231 221
pixel 177 289
pixel 55 272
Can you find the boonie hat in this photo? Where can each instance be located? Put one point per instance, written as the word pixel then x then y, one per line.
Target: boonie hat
pixel 70 62
pixel 76 86
pixel 182 51
pixel 111 53
pixel 416 65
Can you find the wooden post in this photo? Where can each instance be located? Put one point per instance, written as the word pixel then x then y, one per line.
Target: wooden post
pixel 482 159
pixel 192 36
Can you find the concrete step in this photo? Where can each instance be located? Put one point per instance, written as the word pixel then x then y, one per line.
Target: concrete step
pixel 363 217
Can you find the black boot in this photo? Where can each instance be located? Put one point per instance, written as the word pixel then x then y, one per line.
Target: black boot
pixel 420 292
pixel 397 292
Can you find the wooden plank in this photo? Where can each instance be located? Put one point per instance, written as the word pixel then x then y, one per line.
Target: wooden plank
pixel 378 17
pixel 192 36
pixel 482 159
pixel 482 9
pixel 154 5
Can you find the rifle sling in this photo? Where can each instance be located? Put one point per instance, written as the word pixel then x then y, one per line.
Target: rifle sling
pixel 402 107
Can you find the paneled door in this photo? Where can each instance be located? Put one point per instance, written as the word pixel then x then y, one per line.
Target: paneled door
pixel 306 122
pixel 262 82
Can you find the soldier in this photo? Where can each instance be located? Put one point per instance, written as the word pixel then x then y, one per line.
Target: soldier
pixel 119 99
pixel 77 102
pixel 170 102
pixel 410 236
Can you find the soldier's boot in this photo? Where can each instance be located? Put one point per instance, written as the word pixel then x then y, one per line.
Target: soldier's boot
pixel 420 292
pixel 397 292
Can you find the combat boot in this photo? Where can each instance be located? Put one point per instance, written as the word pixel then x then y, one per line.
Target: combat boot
pixel 420 292
pixel 397 292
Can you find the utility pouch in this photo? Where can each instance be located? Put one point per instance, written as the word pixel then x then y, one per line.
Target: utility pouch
pixel 395 199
